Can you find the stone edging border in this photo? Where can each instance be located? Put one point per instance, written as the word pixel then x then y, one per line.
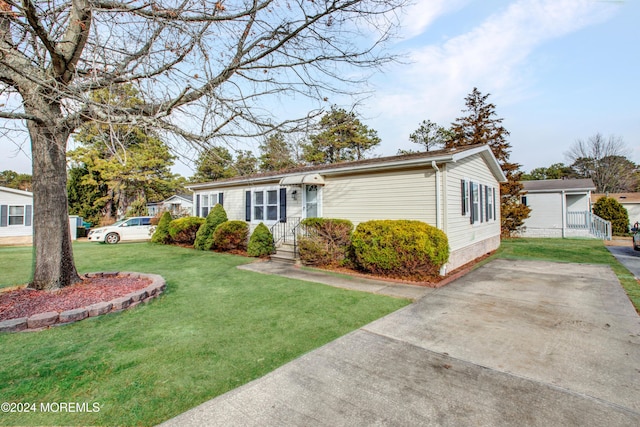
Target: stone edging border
pixel 54 318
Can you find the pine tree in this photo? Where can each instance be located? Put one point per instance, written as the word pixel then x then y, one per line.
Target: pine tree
pixel 276 154
pixel 343 137
pixel 481 126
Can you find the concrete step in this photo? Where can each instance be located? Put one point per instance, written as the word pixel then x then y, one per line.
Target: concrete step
pixel 285 253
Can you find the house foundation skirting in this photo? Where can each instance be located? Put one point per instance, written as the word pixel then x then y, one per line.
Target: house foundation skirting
pixel 462 256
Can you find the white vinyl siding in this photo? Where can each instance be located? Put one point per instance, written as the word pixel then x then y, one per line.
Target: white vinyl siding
pixel 406 194
pixel 459 229
pixel 17 214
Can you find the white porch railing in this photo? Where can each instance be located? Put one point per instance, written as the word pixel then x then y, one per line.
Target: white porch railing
pixel 585 220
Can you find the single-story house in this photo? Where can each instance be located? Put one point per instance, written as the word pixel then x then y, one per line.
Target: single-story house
pixel 631 202
pixel 456 190
pixel 562 208
pixel 178 204
pixel 16 214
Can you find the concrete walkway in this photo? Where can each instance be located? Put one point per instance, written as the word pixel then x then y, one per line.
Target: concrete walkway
pixel 520 343
pixel 291 271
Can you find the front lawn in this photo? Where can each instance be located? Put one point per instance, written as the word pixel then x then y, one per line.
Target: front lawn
pixel 585 251
pixel 215 328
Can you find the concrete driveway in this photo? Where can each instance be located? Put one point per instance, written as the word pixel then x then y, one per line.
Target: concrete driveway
pixel 512 343
pixel 627 257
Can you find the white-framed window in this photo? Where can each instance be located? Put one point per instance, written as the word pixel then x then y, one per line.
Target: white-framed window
pixel 464 192
pixel 15 215
pixel 272 205
pixel 478 201
pixel 266 204
pixel 206 201
pixel 491 197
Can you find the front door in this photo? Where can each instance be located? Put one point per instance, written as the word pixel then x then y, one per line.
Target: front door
pixel 311 202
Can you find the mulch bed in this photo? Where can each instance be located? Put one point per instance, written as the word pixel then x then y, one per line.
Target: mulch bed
pixel 23 302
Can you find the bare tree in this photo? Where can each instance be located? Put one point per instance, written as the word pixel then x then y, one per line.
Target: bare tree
pixel 605 161
pixel 203 69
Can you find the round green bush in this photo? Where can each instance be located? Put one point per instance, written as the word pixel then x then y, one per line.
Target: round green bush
pixel 231 235
pixel 610 209
pixel 399 248
pixel 261 242
pixel 183 230
pixel 161 235
pixel 204 236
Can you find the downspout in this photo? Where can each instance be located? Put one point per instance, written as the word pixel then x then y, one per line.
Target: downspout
pixel 443 269
pixel 438 215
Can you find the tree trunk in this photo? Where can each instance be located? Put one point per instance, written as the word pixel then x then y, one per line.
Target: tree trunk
pixel 54 267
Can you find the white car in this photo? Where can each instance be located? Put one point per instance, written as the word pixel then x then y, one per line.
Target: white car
pixel 135 228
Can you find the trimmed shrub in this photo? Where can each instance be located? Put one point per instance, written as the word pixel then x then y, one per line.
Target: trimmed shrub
pixel 261 242
pixel 327 242
pixel 161 235
pixel 402 248
pixel 183 230
pixel 231 235
pixel 204 236
pixel 610 209
pixel 314 251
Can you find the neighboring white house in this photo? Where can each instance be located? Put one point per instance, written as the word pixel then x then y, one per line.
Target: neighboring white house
pixel 562 208
pixel 631 202
pixel 178 204
pixel 456 190
pixel 16 213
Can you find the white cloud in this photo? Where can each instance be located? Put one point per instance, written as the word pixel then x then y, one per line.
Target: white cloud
pixel 494 57
pixel 422 13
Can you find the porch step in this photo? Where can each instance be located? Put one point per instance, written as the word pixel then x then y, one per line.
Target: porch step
pixel 284 253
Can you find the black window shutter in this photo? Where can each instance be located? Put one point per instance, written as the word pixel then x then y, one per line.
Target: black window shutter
pixel 480 200
pixel 283 205
pixel 221 199
pixel 197 205
pixel 27 215
pixel 463 198
pixel 247 208
pixel 4 212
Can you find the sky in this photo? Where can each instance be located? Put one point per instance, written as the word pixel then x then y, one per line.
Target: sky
pixel 556 70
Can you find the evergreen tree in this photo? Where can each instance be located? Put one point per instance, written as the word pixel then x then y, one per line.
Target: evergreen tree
pixel 342 137
pixel 19 181
pixel 245 163
pixel 555 171
pixel 430 135
pixel 130 161
pixel 86 196
pixel 481 126
pixel 214 163
pixel 610 209
pixel 276 154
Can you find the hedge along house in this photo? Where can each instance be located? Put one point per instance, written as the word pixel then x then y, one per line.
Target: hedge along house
pixel 16 215
pixel 456 190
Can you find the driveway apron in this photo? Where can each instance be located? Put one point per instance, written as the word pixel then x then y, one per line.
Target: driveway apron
pixel 511 343
pixel 627 257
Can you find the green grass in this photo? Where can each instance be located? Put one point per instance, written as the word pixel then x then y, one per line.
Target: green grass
pixel 214 329
pixel 586 251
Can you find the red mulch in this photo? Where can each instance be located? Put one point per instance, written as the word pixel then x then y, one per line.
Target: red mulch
pixel 24 302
